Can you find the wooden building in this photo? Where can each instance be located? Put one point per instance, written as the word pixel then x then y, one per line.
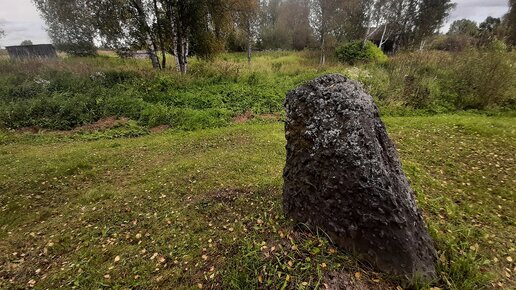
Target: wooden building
pixel 32 51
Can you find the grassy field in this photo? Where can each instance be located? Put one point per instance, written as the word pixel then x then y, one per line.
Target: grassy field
pixel 202 209
pixel 71 92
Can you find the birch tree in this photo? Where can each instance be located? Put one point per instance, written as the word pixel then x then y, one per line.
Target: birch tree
pixel 247 12
pixel 323 19
pixel 431 15
pixel 70 25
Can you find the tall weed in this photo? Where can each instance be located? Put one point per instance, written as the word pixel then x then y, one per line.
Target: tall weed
pixel 74 91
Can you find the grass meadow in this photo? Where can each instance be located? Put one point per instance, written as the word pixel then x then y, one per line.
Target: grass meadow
pixel 116 176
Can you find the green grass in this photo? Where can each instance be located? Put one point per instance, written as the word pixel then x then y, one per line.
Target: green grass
pixel 71 92
pixel 185 209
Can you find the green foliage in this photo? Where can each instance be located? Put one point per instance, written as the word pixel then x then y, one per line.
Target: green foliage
pixel 440 82
pixel 464 27
pixel 510 19
pixel 123 104
pixel 453 42
pixel 483 79
pixel 185 119
pixel 497 46
pixel 77 91
pixel 70 26
pixel 58 111
pixel 357 52
pixel 77 48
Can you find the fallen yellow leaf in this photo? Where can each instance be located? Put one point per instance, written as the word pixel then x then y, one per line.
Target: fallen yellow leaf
pixel 358 275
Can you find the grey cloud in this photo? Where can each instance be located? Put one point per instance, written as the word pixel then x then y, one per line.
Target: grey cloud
pixel 482 3
pixel 21 21
pixel 476 10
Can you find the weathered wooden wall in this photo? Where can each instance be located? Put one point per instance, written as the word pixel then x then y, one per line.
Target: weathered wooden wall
pixel 32 51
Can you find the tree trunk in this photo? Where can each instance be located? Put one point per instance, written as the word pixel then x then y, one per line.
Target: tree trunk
pixel 179 36
pixel 369 34
pixel 249 52
pixel 185 50
pixel 366 37
pixel 382 42
pixel 163 58
pixel 149 42
pixel 422 45
pixel 173 34
pixel 182 52
pixel 179 55
pixel 322 61
pixel 160 35
pixel 151 50
pixel 249 45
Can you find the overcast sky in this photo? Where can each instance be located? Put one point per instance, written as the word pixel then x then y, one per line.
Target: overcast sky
pixel 21 21
pixel 476 10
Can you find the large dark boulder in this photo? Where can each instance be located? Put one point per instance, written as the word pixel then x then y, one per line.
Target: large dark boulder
pixel 343 176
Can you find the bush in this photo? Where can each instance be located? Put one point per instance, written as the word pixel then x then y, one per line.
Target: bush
pixel 189 119
pixel 410 79
pixel 155 115
pixel 185 118
pixel 357 51
pixel 483 79
pixel 112 78
pixel 455 42
pixel 77 91
pixel 79 48
pixel 122 105
pixel 60 111
pixel 439 82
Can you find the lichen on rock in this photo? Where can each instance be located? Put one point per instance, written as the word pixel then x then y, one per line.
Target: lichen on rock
pixel 343 175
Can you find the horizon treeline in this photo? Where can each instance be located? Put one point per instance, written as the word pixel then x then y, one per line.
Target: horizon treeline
pixel 203 28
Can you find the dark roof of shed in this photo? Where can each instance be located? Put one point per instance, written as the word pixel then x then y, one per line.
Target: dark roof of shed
pixel 32 45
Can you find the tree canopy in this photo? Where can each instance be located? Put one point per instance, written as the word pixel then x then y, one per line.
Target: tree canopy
pixel 511 21
pixel 203 27
pixel 2 33
pixel 26 42
pixel 464 27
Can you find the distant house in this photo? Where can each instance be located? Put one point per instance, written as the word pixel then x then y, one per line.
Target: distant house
pixel 377 36
pixel 139 54
pixel 31 51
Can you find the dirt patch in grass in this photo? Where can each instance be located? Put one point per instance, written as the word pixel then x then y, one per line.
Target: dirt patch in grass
pixel 249 116
pixel 30 130
pixel 242 118
pixel 159 129
pixel 103 124
pixel 270 117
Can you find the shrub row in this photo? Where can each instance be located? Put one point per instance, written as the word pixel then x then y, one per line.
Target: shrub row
pixel 441 82
pixel 61 100
pixel 64 111
pixel 66 95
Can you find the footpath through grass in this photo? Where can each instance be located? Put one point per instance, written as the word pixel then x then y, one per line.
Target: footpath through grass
pixel 199 209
